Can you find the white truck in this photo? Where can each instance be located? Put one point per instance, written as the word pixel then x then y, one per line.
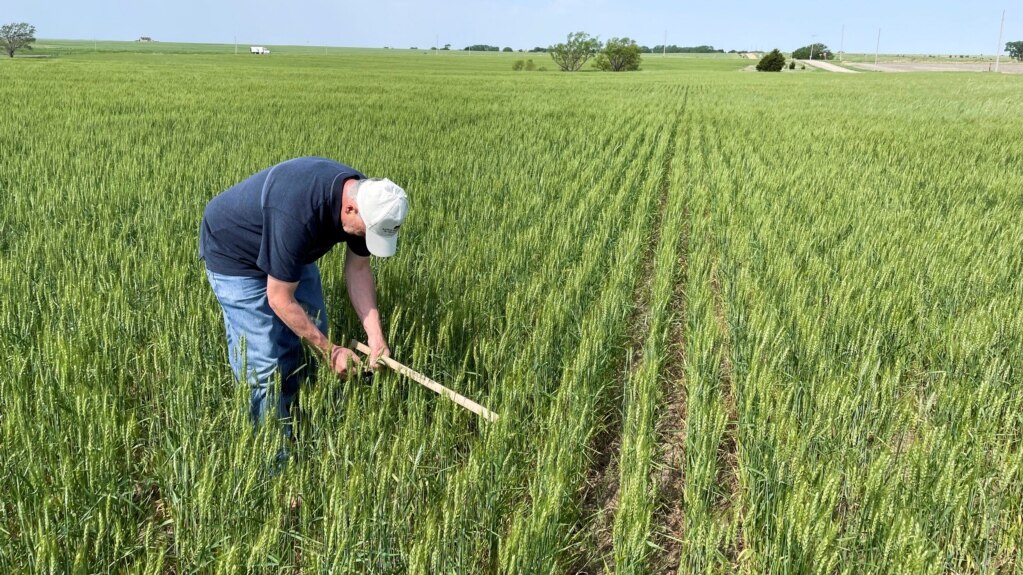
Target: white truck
pixel 258 50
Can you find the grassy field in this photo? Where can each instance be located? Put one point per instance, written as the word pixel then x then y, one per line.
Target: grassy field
pixel 731 322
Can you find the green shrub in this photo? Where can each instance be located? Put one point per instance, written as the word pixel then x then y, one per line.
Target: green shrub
pixel 773 61
pixel 619 55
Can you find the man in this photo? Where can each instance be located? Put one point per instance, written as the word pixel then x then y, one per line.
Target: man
pixel 260 240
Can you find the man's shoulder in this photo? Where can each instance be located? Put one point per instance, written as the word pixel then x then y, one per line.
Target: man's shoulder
pixel 307 164
pixel 307 188
pixel 312 177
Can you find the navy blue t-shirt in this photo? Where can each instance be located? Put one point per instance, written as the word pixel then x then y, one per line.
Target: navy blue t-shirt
pixel 278 220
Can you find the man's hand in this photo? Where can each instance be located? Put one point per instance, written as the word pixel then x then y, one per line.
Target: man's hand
pixel 378 348
pixel 342 358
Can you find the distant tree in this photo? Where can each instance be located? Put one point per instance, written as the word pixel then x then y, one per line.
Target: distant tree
pixel 446 47
pixel 618 55
pixel 16 36
pixel 482 48
pixel 774 61
pixel 1015 50
pixel 644 49
pixel 819 52
pixel 538 49
pixel 507 49
pixel 571 55
pixel 673 49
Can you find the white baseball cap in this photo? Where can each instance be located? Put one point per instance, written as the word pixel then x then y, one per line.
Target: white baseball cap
pixel 383 206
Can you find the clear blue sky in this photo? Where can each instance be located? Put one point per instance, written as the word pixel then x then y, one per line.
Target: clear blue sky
pixel 916 26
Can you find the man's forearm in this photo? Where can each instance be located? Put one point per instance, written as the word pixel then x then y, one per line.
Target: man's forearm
pixel 362 293
pixel 294 316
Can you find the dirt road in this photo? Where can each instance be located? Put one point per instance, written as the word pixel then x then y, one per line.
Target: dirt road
pixel 827 66
pixel 1005 67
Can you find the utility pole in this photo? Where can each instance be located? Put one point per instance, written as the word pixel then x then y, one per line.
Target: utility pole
pixel 813 42
pixel 664 47
pixel 841 46
pixel 878 47
pixel 998 51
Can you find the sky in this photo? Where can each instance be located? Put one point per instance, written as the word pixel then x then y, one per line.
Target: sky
pixel 915 26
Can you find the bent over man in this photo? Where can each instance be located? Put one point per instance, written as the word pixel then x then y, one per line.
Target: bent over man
pixel 260 240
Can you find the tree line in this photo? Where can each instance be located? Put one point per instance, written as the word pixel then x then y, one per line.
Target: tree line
pixel 673 49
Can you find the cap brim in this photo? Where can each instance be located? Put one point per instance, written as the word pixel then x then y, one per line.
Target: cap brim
pixel 381 246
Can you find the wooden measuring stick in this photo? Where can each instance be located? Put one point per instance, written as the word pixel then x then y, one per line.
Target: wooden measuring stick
pixel 429 383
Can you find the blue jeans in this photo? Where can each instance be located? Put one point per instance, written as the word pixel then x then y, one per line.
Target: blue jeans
pixel 260 347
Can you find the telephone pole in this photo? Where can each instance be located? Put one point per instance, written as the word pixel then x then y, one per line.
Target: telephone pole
pixel 878 48
pixel 998 51
pixel 841 46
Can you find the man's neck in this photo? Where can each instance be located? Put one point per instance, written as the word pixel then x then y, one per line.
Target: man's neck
pixel 346 188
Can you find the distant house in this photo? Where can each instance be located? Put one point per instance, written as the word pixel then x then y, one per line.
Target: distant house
pixel 144 39
pixel 258 50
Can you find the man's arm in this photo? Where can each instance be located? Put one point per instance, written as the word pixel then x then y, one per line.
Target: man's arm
pixel 281 297
pixel 362 293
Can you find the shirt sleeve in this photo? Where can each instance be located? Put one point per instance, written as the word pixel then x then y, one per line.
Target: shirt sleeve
pixel 281 248
pixel 358 245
